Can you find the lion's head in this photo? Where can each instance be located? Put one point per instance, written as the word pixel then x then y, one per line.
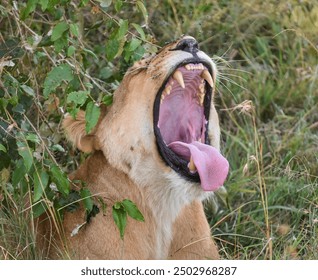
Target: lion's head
pixel 163 128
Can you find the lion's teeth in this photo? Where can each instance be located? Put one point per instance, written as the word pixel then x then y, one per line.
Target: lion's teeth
pixel 179 78
pixel 167 90
pixel 201 98
pixel 191 166
pixel 206 76
pixel 187 66
pixel 162 98
pixel 201 88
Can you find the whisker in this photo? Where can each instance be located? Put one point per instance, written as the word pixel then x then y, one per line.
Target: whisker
pixel 232 75
pixel 234 69
pixel 228 49
pixel 232 82
pixel 222 84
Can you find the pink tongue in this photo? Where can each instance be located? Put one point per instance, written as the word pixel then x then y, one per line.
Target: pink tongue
pixel 211 165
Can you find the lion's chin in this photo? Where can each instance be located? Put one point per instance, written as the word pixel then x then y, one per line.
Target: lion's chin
pixel 181 114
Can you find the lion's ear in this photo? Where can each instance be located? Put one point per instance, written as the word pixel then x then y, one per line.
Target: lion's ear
pixel 75 133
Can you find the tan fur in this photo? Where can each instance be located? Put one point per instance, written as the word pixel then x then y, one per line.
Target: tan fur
pixel 126 165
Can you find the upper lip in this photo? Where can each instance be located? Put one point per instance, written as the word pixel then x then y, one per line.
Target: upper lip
pixel 188 61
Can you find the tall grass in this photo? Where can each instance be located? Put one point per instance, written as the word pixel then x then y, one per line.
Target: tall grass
pixel 267 57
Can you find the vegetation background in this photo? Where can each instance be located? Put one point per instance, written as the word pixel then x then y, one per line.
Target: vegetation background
pixel 57 56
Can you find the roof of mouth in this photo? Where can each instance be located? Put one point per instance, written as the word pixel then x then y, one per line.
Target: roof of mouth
pixel 181 116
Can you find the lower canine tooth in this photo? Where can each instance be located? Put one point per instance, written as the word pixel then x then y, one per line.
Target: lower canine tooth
pixel 192 167
pixel 179 78
pixel 206 76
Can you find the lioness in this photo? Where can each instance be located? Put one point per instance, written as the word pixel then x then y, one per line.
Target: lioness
pixel 157 145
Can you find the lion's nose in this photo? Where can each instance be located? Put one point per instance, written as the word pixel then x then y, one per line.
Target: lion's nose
pixel 188 45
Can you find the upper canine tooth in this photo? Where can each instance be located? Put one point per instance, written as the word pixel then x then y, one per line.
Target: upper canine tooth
pixel 188 67
pixel 179 78
pixel 206 76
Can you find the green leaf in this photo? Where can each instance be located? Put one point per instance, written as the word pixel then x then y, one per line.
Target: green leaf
pixel 132 210
pixel 59 30
pixel 30 7
pixel 139 30
pixel 40 183
pixel 71 50
pixel 33 138
pixel 73 112
pixel 18 173
pixel 12 49
pixel 38 209
pixel 78 97
pixel 106 73
pixel 143 10
pixel 123 28
pixel 74 29
pixel 105 3
pixel 84 2
pixel 19 108
pixel 90 53
pixel 3 148
pixel 118 5
pixel 120 219
pixel 44 4
pixel 92 213
pixel 87 199
pixel 55 77
pixel 28 90
pixel 69 203
pixel 112 47
pixel 107 100
pixel 92 114
pixel 117 205
pixel 60 179
pixel 138 53
pixel 26 153
pixel 121 47
pixel 61 43
pixel 134 44
pixel 88 85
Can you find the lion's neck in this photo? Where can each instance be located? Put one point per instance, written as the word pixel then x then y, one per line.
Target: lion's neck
pixel 165 193
pixel 166 200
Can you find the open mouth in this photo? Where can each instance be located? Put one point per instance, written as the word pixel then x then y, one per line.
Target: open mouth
pixel 181 114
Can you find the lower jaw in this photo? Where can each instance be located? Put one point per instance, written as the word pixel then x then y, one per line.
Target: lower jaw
pixel 175 162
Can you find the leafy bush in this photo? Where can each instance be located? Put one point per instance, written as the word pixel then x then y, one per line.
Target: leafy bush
pixel 52 62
